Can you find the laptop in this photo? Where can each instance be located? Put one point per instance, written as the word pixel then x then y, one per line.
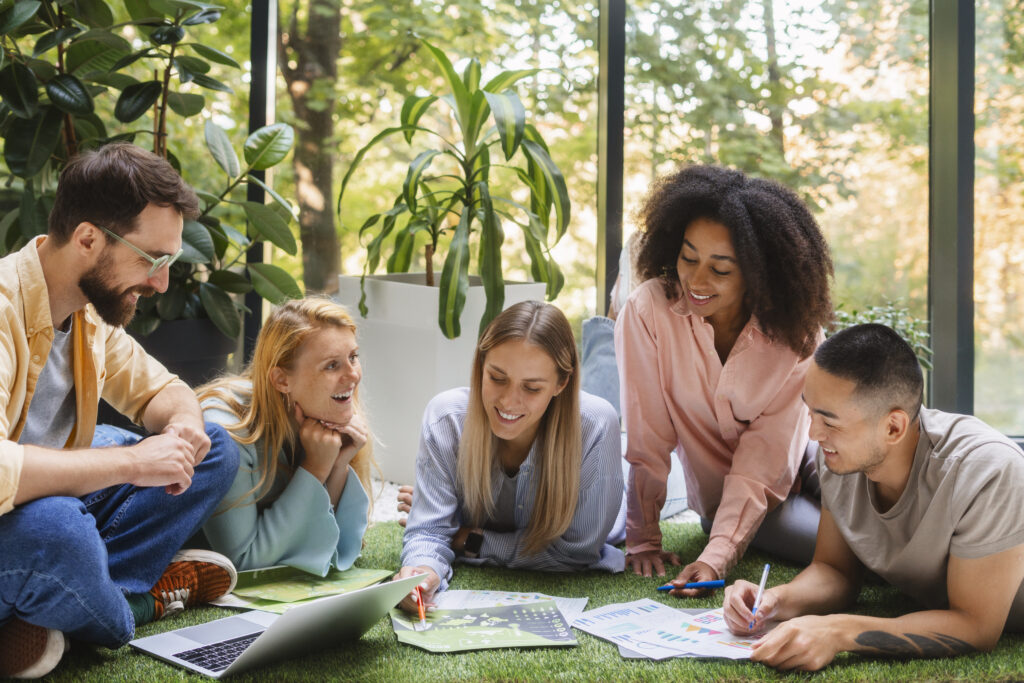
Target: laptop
pixel 226 646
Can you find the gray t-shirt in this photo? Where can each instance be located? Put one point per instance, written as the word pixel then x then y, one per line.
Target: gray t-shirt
pixel 504 517
pixel 964 497
pixel 51 414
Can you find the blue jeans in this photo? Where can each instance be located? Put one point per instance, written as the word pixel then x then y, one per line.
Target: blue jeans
pixel 67 563
pixel 599 373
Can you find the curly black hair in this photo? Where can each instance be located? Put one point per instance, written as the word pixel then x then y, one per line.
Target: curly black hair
pixel 781 252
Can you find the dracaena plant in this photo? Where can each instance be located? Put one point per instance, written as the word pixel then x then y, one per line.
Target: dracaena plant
pixel 450 197
pixel 70 80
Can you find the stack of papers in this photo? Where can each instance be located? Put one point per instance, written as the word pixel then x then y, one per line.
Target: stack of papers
pixel 279 588
pixel 652 630
pixel 479 620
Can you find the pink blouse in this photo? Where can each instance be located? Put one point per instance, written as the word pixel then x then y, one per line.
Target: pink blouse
pixel 740 429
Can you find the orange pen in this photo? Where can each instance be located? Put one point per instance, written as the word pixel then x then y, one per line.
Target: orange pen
pixel 419 603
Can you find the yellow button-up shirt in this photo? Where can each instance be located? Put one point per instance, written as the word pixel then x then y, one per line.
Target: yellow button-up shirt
pixel 107 364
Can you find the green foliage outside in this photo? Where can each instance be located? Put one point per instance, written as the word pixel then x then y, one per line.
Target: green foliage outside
pixel 913 330
pixel 379 657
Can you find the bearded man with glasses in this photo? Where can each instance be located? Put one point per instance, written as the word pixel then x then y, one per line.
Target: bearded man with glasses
pixel 90 537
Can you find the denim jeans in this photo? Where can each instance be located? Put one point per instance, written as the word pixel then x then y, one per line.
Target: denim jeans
pixel 66 563
pixel 599 373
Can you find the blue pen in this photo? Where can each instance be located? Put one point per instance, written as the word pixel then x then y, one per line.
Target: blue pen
pixel 760 592
pixel 694 584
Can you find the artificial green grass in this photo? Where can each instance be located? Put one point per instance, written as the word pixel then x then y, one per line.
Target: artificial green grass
pixel 379 657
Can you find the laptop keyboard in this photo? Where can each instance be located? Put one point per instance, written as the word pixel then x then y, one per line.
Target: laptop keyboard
pixel 218 656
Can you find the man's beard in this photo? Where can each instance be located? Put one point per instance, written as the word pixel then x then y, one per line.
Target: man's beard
pixel 115 308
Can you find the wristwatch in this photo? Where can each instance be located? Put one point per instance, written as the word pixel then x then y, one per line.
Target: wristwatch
pixel 471 548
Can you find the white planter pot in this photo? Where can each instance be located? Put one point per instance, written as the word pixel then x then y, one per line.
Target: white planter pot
pixel 407 361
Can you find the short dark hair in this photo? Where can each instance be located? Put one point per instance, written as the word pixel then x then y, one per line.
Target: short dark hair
pixel 112 185
pixel 879 361
pixel 781 252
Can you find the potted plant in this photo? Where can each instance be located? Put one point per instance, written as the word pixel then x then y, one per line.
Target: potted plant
pixel 456 202
pixel 68 82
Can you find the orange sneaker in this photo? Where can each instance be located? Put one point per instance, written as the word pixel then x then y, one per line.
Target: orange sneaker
pixel 192 578
pixel 29 651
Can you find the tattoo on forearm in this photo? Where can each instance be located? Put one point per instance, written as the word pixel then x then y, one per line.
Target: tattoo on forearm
pixel 912 644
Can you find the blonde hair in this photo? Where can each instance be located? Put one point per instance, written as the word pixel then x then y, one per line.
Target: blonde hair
pixel 262 411
pixel 559 438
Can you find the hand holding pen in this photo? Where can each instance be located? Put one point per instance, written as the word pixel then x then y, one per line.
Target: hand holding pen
pixel 748 606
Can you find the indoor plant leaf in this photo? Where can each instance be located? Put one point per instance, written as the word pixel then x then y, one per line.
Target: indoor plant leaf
pixel 412 109
pixel 220 147
pixel 412 179
pixel 214 55
pixel 268 224
pixel 459 92
pixel 555 183
pixel 30 142
pixel 197 243
pixel 491 238
pixel 230 281
pixel 185 104
pixel 277 198
pixel 51 39
pixel 20 90
pixel 206 16
pixel 510 119
pixel 135 100
pixel 171 303
pixel 471 75
pixel 92 53
pixel 94 13
pixel 212 84
pixel 268 146
pixel 455 280
pixel 69 95
pixel 221 309
pixel 507 79
pixel 17 15
pixel 273 283
pixel 405 242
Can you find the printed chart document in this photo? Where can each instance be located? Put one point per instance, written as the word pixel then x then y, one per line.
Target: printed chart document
pixel 279 588
pixel 653 630
pixel 480 620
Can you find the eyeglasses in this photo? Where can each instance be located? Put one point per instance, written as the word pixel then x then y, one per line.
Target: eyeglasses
pixel 158 263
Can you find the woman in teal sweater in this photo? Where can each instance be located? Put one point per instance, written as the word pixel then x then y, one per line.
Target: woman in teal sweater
pixel 300 497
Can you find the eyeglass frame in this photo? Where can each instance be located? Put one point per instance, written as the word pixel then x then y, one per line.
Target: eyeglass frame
pixel 158 262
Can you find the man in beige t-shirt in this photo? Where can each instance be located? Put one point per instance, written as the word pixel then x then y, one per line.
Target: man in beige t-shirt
pixel 929 501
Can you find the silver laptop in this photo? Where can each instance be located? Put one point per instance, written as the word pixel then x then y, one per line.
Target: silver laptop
pixel 226 646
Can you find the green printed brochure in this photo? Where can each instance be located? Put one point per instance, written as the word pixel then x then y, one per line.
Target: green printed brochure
pixel 278 588
pixel 537 624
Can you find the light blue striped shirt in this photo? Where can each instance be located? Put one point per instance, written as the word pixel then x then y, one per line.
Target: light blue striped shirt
pixel 437 508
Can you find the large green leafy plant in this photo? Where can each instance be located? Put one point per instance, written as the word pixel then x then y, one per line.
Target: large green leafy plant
pixel 75 74
pixel 451 197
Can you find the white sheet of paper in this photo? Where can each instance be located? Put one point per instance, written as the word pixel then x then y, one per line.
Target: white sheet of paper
pixel 619 623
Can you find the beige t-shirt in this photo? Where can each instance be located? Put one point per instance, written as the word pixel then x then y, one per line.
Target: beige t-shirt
pixel 965 497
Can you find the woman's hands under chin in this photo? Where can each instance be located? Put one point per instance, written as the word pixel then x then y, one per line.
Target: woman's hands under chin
pixel 322 445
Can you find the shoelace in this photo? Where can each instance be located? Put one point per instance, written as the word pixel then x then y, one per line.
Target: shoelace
pixel 176 595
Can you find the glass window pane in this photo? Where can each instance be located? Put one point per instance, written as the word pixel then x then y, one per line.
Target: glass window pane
pixel 831 99
pixel 999 216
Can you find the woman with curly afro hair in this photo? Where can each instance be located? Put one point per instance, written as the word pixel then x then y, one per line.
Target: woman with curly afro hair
pixel 712 351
